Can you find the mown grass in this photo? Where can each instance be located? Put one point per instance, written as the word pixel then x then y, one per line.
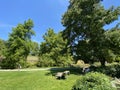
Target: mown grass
pixel 34 80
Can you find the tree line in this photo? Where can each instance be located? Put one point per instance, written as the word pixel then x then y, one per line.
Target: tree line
pixel 84 37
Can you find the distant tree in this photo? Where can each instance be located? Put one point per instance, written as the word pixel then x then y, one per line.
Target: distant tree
pixel 19 45
pixel 84 21
pixel 34 50
pixel 54 50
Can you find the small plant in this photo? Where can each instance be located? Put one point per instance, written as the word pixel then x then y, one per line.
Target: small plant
pixel 93 81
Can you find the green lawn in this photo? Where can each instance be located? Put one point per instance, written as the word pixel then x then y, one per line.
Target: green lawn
pixel 34 80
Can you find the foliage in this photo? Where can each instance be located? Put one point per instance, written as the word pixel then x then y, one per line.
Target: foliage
pixel 112 70
pixel 93 81
pixel 45 61
pixel 18 45
pixel 117 59
pixel 54 51
pixel 84 21
pixel 2 48
pixel 112 38
pixel 34 50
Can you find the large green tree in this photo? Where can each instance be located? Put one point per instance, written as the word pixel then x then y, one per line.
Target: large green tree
pixel 18 46
pixel 84 21
pixel 54 50
pixel 2 48
pixel 112 40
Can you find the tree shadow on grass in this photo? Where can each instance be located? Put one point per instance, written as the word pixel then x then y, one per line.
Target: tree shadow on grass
pixel 112 70
pixel 73 70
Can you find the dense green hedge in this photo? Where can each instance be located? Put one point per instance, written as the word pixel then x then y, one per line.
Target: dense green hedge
pixel 112 70
pixel 93 81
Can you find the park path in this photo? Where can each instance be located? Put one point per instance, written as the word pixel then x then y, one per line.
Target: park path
pixel 37 69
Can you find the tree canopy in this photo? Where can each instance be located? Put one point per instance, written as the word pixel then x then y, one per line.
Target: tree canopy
pixel 18 45
pixel 84 21
pixel 54 51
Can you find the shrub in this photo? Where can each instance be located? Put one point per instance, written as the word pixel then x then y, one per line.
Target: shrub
pixel 5 64
pixel 45 61
pixel 31 65
pixel 93 81
pixel 112 70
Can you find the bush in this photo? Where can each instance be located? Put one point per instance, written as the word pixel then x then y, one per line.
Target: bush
pixel 31 65
pixel 45 61
pixel 93 81
pixel 7 64
pixel 112 70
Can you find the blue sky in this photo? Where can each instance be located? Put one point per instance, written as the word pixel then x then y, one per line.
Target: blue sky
pixel 45 14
